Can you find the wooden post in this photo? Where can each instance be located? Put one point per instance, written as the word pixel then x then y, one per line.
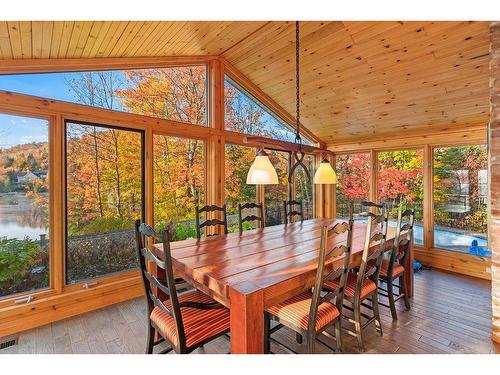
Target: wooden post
pixel 428 220
pixel 318 192
pixel 331 196
pixel 494 177
pixel 373 176
pixel 149 176
pixel 215 155
pixel 328 194
pixel 56 197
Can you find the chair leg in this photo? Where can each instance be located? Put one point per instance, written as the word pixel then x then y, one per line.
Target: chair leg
pixel 402 287
pixel 267 329
pixel 311 341
pixel 298 338
pixel 357 326
pixel 338 335
pixel 390 292
pixel 376 313
pixel 151 339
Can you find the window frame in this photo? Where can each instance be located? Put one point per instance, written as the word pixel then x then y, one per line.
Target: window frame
pixel 163 133
pixel 52 288
pixel 432 229
pixel 373 189
pixel 112 276
pixel 239 86
pixel 428 173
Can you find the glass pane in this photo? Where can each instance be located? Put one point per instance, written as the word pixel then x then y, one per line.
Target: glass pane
pixel 401 180
pixel 460 199
pixel 24 204
pixel 244 114
pixel 179 175
pixel 353 173
pixel 305 189
pixel 275 195
pixel 176 93
pixel 104 195
pixel 238 162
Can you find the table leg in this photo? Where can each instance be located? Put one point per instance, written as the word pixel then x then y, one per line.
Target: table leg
pixel 247 321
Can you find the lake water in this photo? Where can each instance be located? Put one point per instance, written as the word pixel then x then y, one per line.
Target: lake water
pixel 20 217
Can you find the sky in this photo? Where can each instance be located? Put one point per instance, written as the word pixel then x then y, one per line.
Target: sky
pixel 15 130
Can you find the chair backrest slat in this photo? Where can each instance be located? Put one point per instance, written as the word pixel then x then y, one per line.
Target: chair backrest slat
pixel 146 237
pixel 210 222
pixel 291 210
pixel 250 218
pixel 373 251
pixel 404 237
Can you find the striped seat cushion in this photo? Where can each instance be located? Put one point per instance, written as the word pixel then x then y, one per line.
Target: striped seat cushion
pixel 199 325
pixel 384 268
pixel 350 287
pixel 295 311
pixel 396 270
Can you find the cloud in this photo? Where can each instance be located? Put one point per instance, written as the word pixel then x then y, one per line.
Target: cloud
pixel 33 138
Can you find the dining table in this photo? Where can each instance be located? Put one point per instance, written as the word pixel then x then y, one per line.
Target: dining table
pixel 250 271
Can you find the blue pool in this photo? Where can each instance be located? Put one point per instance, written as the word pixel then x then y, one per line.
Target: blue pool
pixel 449 239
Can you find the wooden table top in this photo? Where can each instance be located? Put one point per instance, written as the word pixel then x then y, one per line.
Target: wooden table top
pixel 256 259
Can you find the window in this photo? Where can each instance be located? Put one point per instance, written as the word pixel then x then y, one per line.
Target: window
pixel 179 180
pixel 460 198
pixel 275 195
pixel 238 162
pixel 304 189
pixel 24 204
pixel 175 93
pixel 353 173
pixel 244 114
pixel 401 180
pixel 104 196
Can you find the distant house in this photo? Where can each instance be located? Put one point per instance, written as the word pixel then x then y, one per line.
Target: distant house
pixel 25 177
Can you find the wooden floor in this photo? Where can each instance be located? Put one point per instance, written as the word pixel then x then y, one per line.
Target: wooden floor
pixel 450 314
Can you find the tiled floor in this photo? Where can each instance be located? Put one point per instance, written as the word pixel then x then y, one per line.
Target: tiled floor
pixel 450 314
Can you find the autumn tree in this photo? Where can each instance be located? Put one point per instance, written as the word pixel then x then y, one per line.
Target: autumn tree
pixel 98 89
pixel 176 94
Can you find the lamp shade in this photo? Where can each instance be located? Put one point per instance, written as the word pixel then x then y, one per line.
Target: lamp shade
pixel 325 173
pixel 262 171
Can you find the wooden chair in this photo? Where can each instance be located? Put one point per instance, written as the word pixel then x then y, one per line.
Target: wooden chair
pixel 311 313
pixel 376 208
pixel 252 217
pixel 361 285
pixel 187 321
pixel 291 211
pixel 394 267
pixel 210 222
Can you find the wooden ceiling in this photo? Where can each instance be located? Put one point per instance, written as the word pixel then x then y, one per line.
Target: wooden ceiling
pixel 359 80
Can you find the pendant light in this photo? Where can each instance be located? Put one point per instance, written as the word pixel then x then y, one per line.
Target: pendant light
pixel 325 174
pixel 262 171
